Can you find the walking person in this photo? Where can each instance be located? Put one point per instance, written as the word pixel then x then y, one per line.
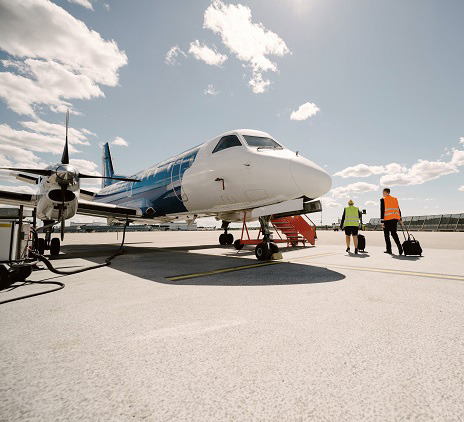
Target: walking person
pixel 350 221
pixel 390 215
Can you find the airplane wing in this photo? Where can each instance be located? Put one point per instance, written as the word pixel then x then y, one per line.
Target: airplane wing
pixel 16 198
pixel 98 209
pixel 87 194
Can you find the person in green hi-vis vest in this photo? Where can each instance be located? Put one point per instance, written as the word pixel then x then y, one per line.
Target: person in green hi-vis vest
pixel 351 221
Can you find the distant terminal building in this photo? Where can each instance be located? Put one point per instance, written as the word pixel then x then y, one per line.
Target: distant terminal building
pixel 440 222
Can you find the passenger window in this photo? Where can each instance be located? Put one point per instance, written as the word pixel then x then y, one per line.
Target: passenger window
pixel 227 142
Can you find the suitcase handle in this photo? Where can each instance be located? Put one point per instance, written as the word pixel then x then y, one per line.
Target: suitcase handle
pixel 409 235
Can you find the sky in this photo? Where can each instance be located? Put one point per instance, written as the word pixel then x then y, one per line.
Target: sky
pixel 371 90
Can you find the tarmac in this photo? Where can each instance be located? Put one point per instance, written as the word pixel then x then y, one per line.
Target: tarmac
pixel 180 328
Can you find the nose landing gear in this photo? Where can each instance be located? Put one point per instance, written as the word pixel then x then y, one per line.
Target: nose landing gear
pixel 53 245
pixel 226 238
pixel 266 248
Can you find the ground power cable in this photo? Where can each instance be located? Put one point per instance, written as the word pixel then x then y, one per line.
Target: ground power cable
pixel 60 285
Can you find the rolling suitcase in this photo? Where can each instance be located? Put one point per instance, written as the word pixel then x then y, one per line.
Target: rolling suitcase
pixel 410 245
pixel 361 243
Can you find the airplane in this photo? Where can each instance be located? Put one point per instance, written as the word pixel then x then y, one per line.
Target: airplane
pixel 240 171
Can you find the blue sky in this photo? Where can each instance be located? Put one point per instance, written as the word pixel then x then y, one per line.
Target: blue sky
pixel 383 80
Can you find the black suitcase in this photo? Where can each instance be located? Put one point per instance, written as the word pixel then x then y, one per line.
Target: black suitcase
pixel 361 243
pixel 410 245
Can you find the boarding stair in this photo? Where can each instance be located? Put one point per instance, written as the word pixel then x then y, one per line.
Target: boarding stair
pixel 297 229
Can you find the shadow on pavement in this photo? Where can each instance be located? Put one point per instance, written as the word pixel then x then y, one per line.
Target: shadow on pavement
pixel 159 264
pixel 406 258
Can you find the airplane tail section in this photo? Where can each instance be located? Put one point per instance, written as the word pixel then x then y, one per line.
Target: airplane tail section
pixel 107 166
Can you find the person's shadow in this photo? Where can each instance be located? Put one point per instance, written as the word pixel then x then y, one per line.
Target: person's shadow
pixel 359 255
pixel 407 257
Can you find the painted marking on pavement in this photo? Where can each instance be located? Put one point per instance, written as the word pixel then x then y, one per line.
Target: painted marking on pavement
pixel 241 267
pixel 384 270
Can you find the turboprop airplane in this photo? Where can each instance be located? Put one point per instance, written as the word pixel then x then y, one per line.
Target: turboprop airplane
pixel 237 172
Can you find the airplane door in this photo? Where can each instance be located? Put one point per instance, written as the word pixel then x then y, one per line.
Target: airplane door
pixel 177 171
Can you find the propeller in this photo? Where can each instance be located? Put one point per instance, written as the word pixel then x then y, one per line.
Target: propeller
pixel 65 172
pixel 66 175
pixel 62 219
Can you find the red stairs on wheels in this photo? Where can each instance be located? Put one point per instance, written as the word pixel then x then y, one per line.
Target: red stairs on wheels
pixel 291 230
pixel 296 229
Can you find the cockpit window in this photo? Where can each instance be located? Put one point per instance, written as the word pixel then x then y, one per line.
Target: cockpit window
pixel 261 142
pixel 227 142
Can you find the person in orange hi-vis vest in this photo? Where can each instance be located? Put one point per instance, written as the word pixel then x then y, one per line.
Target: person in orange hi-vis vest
pixel 390 215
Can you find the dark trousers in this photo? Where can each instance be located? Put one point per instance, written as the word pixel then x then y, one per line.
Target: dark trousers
pixel 390 227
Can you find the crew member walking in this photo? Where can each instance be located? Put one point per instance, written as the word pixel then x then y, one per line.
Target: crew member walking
pixel 350 221
pixel 390 215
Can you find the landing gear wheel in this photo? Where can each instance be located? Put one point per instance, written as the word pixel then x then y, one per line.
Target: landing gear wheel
pixel 263 252
pixel 229 238
pixel 274 248
pixel 55 246
pixel 41 246
pixel 238 245
pixel 223 239
pixel 20 274
pixel 5 279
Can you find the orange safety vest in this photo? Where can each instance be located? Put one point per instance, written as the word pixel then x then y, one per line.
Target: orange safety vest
pixel 392 209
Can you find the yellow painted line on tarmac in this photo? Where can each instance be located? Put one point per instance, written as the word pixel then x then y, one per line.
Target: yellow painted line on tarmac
pixel 388 271
pixel 239 268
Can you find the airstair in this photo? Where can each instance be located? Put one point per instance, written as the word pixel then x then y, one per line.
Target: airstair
pixel 291 230
pixel 297 229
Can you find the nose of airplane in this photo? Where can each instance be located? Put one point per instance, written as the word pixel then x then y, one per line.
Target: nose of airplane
pixel 312 180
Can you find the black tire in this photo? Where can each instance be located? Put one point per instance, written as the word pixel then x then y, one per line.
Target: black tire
pixel 55 246
pixel 41 246
pixel 20 274
pixel 238 245
pixel 229 238
pixel 222 239
pixel 274 248
pixel 263 252
pixel 5 278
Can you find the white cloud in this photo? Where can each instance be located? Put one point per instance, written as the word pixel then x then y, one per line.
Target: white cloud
pixel 363 170
pixel 172 54
pixel 397 175
pixel 461 189
pixel 329 202
pixel 211 91
pixel 371 203
pixel 57 56
pixel 83 3
pixel 87 167
pixel 358 187
pixel 209 56
pixel 419 173
pixel 461 139
pixel 75 136
pixel 31 141
pixel 305 111
pixel 106 6
pixel 120 142
pixel 250 42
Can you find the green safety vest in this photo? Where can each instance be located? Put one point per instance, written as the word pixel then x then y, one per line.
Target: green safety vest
pixel 351 217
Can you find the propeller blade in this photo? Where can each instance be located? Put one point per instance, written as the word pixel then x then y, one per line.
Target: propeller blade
pixel 65 157
pixel 39 172
pixel 64 189
pixel 122 179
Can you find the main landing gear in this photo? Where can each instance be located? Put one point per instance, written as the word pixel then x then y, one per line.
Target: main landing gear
pixel 266 248
pixel 226 238
pixel 53 245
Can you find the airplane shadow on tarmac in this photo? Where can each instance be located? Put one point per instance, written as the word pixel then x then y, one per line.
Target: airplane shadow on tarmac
pixel 161 264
